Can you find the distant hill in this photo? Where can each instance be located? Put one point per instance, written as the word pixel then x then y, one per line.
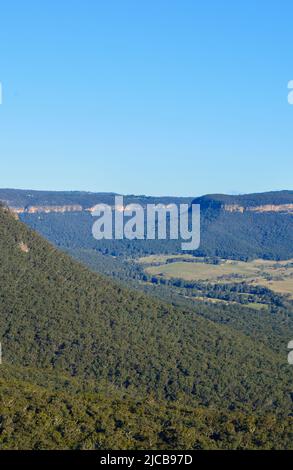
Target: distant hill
pixel 248 226
pixel 19 198
pixel 239 227
pixel 26 200
pixel 246 201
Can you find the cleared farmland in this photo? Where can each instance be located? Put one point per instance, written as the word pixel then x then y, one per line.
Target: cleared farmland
pixel 277 276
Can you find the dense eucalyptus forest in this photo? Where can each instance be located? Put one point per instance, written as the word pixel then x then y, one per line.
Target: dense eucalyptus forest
pixel 90 363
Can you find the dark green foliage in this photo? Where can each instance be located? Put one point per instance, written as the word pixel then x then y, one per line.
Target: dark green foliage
pixel 272 325
pixel 247 236
pixel 38 418
pixel 244 236
pixel 61 324
pixel 73 230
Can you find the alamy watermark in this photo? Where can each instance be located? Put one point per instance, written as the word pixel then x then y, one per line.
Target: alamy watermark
pixel 154 221
pixel 290 355
pixel 290 94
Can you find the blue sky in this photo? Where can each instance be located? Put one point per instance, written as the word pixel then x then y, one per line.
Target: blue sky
pixel 155 97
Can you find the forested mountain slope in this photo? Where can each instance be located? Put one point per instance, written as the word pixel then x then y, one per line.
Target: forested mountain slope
pixel 55 314
pixel 58 318
pixel 35 417
pixel 247 227
pixel 241 227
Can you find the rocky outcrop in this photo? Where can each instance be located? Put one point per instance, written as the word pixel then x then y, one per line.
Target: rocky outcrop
pixel 285 208
pixel 46 209
pixel 23 247
pixel 232 208
pixel 58 209
pixel 281 208
pixel 94 208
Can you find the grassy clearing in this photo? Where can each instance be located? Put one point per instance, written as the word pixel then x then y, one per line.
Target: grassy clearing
pixel 162 259
pixel 254 305
pixel 277 276
pixel 201 271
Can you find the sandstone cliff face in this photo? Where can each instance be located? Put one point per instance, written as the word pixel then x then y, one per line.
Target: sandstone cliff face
pixel 46 209
pixel 234 208
pixel 282 208
pixel 285 208
pixel 94 208
pixel 17 210
pixel 57 209
pixel 23 247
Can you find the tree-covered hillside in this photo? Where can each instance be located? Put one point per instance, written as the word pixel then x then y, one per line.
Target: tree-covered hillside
pixel 246 236
pixel 236 235
pixel 246 200
pixel 56 317
pixel 36 417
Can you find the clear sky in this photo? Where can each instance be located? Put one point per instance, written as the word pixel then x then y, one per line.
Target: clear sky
pixel 177 97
